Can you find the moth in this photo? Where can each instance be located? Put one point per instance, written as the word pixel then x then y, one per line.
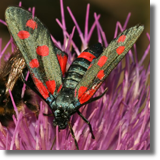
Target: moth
pixel 85 75
pixel 10 79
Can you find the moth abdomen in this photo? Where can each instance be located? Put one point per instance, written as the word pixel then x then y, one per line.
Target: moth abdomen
pixel 81 64
pixel 74 76
pixel 75 73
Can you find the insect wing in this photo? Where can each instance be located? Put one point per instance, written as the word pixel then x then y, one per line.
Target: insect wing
pixel 102 66
pixel 34 42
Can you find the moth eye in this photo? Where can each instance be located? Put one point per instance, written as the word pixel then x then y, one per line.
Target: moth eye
pixel 57 113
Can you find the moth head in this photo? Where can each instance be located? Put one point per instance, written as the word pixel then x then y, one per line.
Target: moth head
pixel 61 118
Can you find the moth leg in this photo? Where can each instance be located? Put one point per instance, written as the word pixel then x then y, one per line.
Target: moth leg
pixel 49 115
pixel 31 87
pixel 90 127
pixel 72 133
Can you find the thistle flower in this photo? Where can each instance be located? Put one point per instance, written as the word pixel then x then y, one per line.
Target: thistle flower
pixel 120 119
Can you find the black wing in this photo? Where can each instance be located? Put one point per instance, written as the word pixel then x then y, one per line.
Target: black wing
pixel 37 48
pixel 103 65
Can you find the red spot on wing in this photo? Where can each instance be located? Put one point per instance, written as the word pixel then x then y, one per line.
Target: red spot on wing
pixel 86 55
pixel 120 50
pixel 102 61
pixel 60 87
pixel 62 59
pixel 121 38
pixel 42 89
pixel 34 63
pixel 42 50
pixel 81 90
pixel 31 23
pixel 100 74
pixel 51 85
pixel 86 96
pixel 23 34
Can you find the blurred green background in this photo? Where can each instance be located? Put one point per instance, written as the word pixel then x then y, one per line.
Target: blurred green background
pixel 111 12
